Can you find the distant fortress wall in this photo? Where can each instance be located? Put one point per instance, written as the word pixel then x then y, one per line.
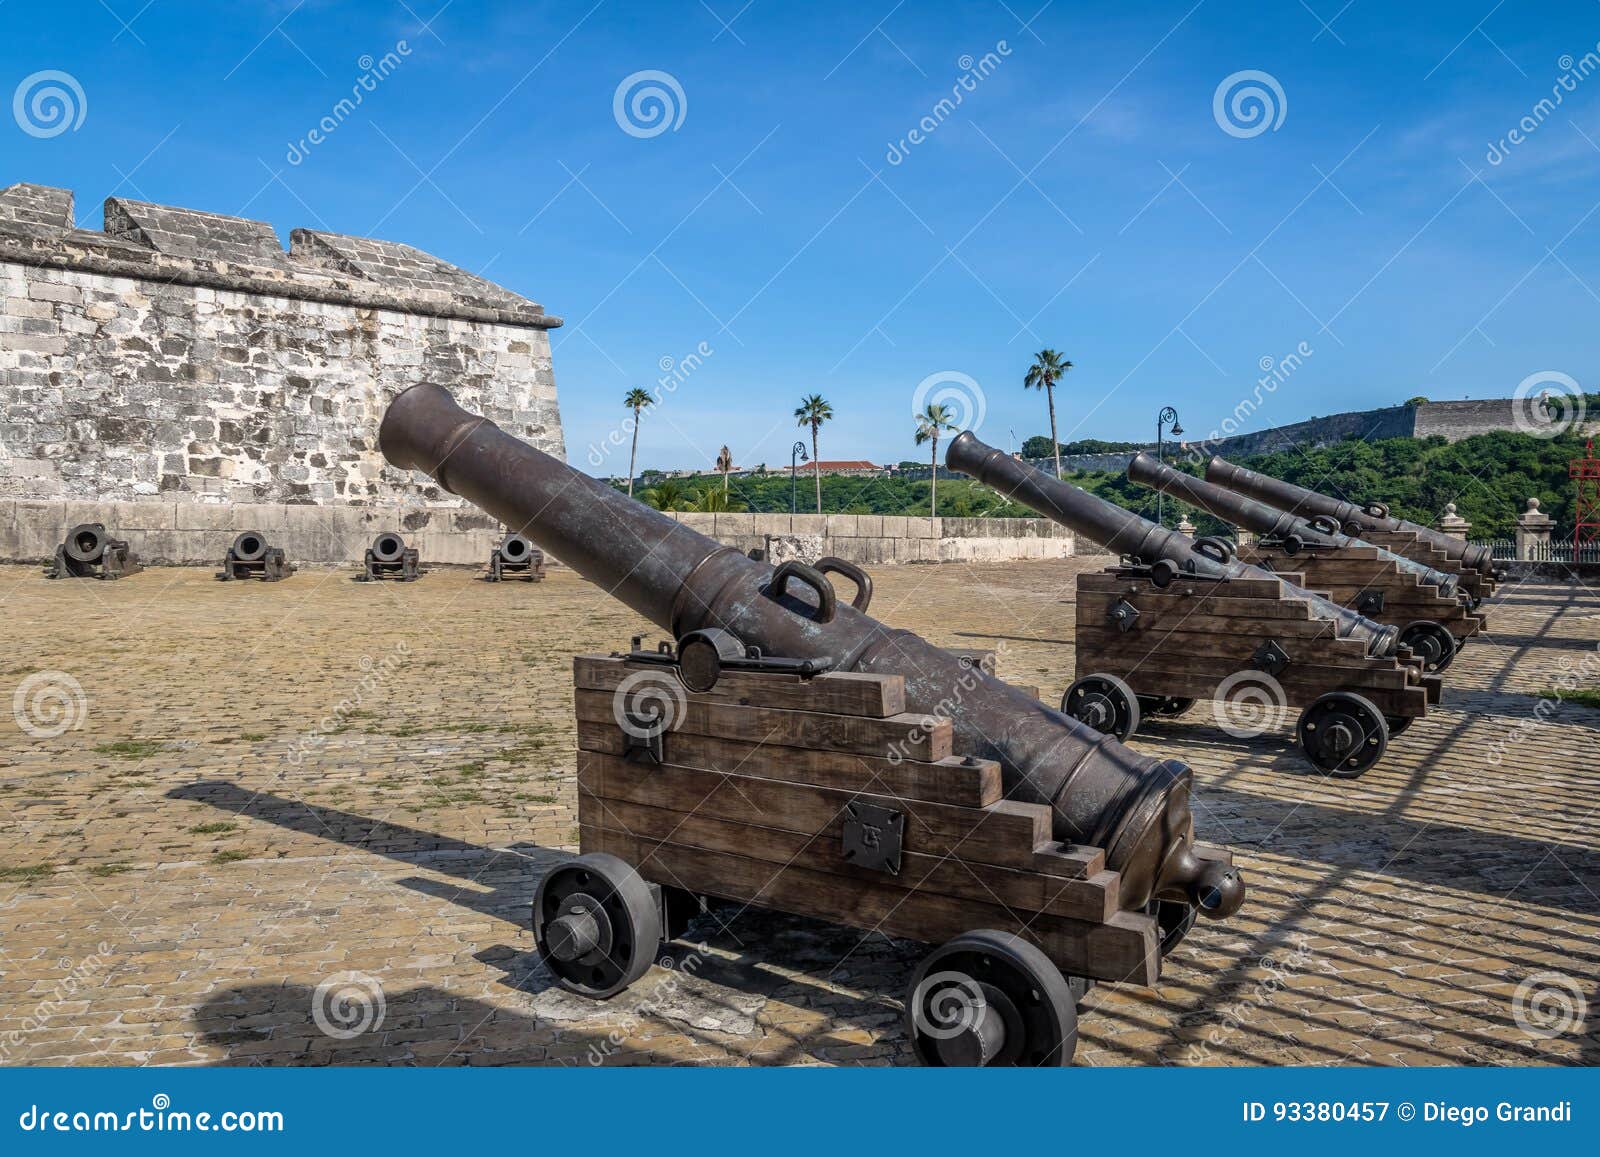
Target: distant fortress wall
pixel 187 368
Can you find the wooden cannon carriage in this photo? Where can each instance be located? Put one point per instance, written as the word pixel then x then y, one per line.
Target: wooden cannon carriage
pixel 1478 584
pixel 820 796
pixel 1143 648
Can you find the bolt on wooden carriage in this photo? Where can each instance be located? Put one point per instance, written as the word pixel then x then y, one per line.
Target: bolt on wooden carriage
pixel 1179 620
pixel 819 795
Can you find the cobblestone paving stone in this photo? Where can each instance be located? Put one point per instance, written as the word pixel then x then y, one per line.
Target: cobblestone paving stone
pixel 182 873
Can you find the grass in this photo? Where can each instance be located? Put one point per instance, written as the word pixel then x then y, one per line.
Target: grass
pixel 26 874
pixel 252 736
pixel 1584 696
pixel 101 871
pixel 131 748
pixel 229 857
pixel 526 798
pixel 214 829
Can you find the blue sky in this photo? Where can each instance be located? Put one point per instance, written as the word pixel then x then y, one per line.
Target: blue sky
pixel 1084 195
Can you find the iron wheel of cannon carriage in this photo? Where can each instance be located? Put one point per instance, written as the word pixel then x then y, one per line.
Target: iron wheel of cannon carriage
pixel 1105 703
pixel 597 925
pixel 1343 733
pixel 991 998
pixel 1430 642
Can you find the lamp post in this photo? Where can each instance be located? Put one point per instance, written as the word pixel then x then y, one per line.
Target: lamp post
pixel 796 456
pixel 1168 417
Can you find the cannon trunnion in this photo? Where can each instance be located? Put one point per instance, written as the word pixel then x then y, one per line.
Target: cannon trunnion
pixel 89 551
pixel 1182 619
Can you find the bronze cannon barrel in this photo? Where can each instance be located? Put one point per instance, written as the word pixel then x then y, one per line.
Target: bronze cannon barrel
pixel 1292 529
pixel 1138 538
pixel 1352 517
pixel 1102 793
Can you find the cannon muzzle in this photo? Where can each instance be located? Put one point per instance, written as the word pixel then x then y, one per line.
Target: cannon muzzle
pixel 1102 793
pixel 1146 543
pixel 1354 518
pixel 1268 521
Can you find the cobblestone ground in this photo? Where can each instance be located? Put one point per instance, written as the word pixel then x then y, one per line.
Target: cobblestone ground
pixel 182 874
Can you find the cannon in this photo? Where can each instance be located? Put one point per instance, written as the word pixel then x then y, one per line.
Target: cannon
pixel 89 551
pixel 1427 605
pixel 390 558
pixel 251 556
pixel 1180 619
pixel 514 556
pixel 780 698
pixel 1371 522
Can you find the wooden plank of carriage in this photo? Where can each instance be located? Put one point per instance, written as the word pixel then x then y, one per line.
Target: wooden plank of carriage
pixel 836 693
pixel 1301 683
pixel 1189 587
pixel 1121 949
pixel 1093 897
pixel 913 736
pixel 954 779
pixel 1307 667
pixel 1150 600
pixel 1008 833
pixel 1202 637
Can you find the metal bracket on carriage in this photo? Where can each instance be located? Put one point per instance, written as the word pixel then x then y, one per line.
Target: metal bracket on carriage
pixel 1271 658
pixel 1123 613
pixel 1163 572
pixel 1370 603
pixel 701 656
pixel 873 837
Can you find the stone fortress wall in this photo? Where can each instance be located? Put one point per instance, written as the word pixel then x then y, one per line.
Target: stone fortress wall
pixel 182 375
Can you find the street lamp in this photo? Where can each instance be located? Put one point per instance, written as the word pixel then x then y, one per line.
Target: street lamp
pixel 796 456
pixel 1167 417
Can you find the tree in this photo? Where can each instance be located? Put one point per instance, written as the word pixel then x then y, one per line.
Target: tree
pixel 813 411
pixel 1047 369
pixel 668 494
pixel 724 466
pixel 636 400
pixel 930 423
pixel 714 501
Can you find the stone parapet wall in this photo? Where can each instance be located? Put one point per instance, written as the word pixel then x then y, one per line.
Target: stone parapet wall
pixel 196 534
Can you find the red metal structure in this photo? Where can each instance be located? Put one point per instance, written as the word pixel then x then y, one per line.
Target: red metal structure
pixel 1585 473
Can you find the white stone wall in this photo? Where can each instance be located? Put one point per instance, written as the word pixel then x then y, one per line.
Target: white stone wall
pixel 125 389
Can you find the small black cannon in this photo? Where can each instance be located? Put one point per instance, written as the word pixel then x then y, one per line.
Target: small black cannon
pixel 390 558
pixel 515 556
pixel 89 551
pixel 251 556
pixel 1428 605
pixel 859 774
pixel 1181 619
pixel 1370 521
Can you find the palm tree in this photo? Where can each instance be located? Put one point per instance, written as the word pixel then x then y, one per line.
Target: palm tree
pixel 725 466
pixel 636 400
pixel 668 494
pixel 813 411
pixel 930 424
pixel 714 501
pixel 1047 369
